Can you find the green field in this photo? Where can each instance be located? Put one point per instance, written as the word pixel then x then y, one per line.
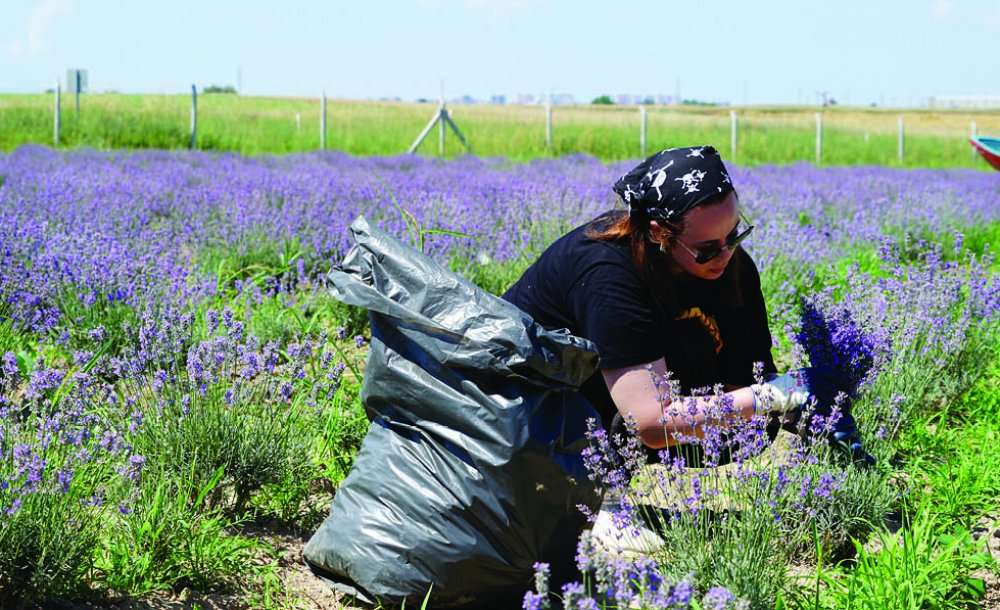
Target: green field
pixel 255 125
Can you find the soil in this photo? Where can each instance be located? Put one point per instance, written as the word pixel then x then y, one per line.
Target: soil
pixel 988 528
pixel 300 590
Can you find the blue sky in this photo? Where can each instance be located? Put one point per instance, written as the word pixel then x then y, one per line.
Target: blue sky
pixel 785 51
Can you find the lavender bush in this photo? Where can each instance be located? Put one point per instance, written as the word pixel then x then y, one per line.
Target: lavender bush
pixel 166 334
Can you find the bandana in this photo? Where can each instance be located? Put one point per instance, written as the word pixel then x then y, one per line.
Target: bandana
pixel 671 182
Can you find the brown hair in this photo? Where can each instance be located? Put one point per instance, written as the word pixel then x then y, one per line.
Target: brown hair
pixel 636 230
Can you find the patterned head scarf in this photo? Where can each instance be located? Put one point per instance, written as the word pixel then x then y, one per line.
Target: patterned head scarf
pixel 671 182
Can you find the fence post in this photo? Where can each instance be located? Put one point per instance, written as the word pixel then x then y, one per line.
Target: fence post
pixel 900 142
pixel 57 119
pixel 642 131
pixel 194 118
pixel 548 123
pixel 322 121
pixel 298 121
pixel 819 138
pixel 732 135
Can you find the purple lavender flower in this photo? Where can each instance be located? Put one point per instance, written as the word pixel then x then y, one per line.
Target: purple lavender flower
pixel 64 477
pixel 15 505
pixel 534 601
pixel 825 486
pixel 212 321
pixel 833 340
pixel 97 334
pixel 680 595
pixel 717 598
pixel 542 573
pixel 8 369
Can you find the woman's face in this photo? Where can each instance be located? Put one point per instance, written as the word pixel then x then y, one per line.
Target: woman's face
pixel 704 226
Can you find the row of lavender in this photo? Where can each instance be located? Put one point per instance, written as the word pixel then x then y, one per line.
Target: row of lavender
pixel 165 337
pixel 130 226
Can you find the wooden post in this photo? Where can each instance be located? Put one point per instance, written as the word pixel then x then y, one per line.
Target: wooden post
pixel 298 121
pixel 77 88
pixel 548 123
pixel 642 131
pixel 57 111
pixel 732 135
pixel 441 131
pixel 899 139
pixel 441 115
pixel 322 121
pixel 194 118
pixel 819 138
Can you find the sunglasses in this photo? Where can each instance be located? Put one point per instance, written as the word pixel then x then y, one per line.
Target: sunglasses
pixel 708 253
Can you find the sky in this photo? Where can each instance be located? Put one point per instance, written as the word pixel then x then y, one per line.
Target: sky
pixel 889 52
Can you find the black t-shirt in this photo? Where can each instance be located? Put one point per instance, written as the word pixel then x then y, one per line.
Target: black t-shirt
pixel 593 288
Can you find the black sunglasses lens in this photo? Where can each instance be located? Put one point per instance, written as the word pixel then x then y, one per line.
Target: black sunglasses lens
pixel 707 254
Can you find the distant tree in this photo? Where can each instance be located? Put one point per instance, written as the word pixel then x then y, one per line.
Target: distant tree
pixel 219 89
pixel 604 100
pixel 649 101
pixel 697 103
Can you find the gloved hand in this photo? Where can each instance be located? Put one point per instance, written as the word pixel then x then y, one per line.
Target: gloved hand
pixel 785 396
pixel 788 393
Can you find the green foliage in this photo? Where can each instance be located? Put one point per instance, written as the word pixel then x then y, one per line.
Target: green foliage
pixel 344 427
pixel 603 100
pixel 254 259
pixel 494 277
pixel 219 89
pixel 914 569
pixel 250 434
pixel 947 469
pixel 952 454
pixel 255 125
pixel 46 546
pixel 13 338
pixel 48 536
pixel 83 311
pixel 171 539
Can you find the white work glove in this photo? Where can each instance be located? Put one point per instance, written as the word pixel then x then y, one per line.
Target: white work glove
pixel 782 394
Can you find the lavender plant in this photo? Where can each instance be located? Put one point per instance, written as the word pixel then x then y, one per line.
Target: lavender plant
pixel 726 526
pixel 63 466
pixel 238 406
pixel 116 270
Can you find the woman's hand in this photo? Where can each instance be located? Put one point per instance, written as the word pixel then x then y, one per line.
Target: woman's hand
pixel 789 393
pixel 785 396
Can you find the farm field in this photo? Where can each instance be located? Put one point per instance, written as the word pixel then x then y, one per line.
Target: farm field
pixel 179 393
pixel 256 125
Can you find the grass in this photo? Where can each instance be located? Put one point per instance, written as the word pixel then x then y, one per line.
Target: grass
pixel 257 125
pixel 949 464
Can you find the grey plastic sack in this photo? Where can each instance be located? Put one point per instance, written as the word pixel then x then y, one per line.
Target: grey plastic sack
pixel 471 468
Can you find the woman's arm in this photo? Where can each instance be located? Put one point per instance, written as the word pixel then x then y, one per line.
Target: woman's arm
pixel 634 392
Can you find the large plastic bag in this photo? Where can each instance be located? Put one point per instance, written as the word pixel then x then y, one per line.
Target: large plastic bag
pixel 471 468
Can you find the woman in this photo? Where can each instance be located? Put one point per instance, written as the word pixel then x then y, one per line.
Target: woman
pixel 664 286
